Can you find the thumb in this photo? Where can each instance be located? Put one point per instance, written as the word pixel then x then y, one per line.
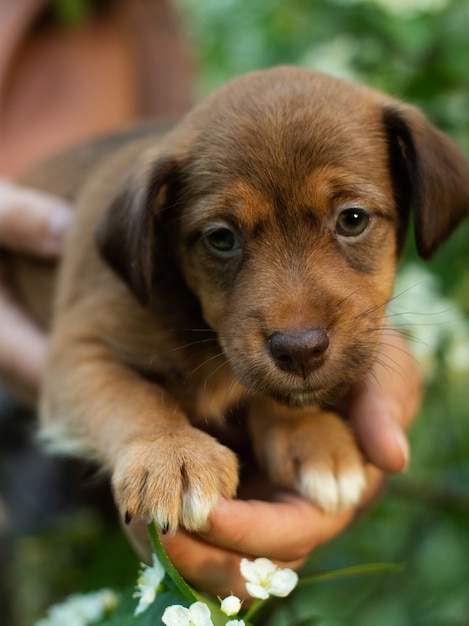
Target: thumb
pixel 382 408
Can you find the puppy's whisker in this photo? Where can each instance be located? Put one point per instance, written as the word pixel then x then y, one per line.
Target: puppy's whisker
pixel 215 371
pixel 406 333
pixel 204 363
pixel 198 342
pixel 390 365
pixel 385 303
pixel 399 350
pixel 340 303
pixel 380 306
pixel 198 330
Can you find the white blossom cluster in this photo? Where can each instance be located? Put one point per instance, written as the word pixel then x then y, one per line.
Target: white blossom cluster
pixel 263 579
pixel 81 609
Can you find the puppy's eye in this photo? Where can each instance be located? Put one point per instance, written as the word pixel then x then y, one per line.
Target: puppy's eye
pixel 222 241
pixel 352 222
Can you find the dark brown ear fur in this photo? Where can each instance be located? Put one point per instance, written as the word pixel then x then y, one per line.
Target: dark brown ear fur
pixel 431 176
pixel 126 233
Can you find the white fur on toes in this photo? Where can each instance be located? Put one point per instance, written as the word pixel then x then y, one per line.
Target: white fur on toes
pixel 196 507
pixel 331 492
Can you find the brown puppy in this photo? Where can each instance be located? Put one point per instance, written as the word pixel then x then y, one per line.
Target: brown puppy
pixel 238 268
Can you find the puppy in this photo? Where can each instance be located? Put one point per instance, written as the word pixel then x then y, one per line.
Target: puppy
pixel 232 275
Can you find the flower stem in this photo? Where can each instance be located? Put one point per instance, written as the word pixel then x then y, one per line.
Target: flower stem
pixel 165 561
pixel 253 609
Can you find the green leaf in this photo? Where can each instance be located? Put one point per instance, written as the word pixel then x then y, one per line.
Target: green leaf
pixel 352 572
pixel 309 621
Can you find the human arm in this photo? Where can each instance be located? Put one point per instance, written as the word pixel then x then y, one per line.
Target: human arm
pixel 35 224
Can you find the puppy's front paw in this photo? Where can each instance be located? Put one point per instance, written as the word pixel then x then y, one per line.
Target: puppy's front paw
pixel 176 478
pixel 318 457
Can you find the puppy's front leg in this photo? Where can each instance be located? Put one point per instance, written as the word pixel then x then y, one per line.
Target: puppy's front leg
pixel 309 450
pixel 160 465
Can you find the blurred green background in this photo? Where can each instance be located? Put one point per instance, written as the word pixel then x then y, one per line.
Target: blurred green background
pixel 417 50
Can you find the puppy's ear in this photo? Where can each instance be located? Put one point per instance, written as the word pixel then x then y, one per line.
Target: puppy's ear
pixel 126 235
pixel 431 176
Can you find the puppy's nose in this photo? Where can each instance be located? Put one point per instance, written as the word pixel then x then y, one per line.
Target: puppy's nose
pixel 299 352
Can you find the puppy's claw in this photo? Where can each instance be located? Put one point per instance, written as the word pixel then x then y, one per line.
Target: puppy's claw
pixel 165 528
pixel 127 518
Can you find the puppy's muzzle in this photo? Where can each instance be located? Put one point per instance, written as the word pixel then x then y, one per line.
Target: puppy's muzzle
pixel 299 352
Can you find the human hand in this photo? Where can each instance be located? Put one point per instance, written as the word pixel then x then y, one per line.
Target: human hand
pixel 32 223
pixel 287 528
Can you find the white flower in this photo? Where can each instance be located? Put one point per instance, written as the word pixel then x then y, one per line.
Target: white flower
pixel 231 605
pixel 81 609
pixel 148 584
pixel 264 578
pixel 235 622
pixel 198 614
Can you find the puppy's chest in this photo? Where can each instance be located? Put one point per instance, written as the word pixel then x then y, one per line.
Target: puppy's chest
pixel 192 367
pixel 214 401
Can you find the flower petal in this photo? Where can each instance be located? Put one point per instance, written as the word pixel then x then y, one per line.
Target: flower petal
pixel 231 605
pixel 257 591
pixel 283 582
pixel 200 614
pixel 148 584
pixel 258 570
pixel 176 615
pixel 147 597
pixel 246 568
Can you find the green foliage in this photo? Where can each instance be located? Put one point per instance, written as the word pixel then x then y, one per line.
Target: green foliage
pixel 123 615
pixel 418 55
pixel 72 12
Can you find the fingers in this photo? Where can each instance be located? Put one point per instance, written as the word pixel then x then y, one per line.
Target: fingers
pixel 22 344
pixel 32 222
pixel 287 529
pixel 382 408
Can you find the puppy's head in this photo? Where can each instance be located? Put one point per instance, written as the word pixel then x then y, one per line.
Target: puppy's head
pixel 286 197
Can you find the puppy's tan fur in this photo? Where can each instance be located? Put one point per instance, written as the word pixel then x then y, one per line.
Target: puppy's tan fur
pixel 208 280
